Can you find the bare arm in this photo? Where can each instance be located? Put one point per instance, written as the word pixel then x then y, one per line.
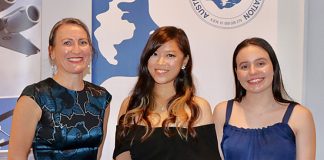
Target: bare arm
pixel 219 120
pixel 123 108
pixel 303 125
pixel 124 156
pixel 206 116
pixel 105 123
pixel 26 115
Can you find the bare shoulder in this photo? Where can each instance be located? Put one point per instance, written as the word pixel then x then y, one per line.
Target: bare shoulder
pixel 123 107
pixel 220 107
pixel 28 107
pixel 202 103
pixel 301 112
pixel 301 117
pixel 205 111
pixel 220 112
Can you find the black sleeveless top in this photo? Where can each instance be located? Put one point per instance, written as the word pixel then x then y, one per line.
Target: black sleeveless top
pixel 158 146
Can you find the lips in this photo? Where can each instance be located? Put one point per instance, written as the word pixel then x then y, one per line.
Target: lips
pixel 255 80
pixel 75 59
pixel 161 71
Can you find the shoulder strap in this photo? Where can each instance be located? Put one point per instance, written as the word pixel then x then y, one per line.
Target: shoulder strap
pixel 289 110
pixel 229 108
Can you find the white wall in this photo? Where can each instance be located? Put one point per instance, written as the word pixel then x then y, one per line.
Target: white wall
pixel 291 46
pixel 53 11
pixel 314 75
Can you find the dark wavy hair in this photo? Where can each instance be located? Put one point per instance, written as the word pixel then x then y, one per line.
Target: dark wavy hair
pixel 141 101
pixel 278 89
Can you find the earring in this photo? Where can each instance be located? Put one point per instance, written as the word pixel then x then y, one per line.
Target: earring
pixel 88 70
pixel 54 69
pixel 183 67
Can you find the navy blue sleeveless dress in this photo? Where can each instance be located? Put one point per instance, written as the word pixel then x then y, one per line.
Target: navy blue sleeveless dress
pixel 275 142
pixel 71 125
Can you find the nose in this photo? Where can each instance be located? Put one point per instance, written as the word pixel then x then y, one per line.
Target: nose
pixel 76 48
pixel 161 60
pixel 252 69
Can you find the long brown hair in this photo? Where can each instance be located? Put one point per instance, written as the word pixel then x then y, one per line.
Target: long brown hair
pixel 278 89
pixel 141 100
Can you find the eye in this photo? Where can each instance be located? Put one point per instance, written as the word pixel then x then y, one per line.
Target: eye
pixel 154 54
pixel 67 43
pixel 170 55
pixel 261 63
pixel 83 42
pixel 243 66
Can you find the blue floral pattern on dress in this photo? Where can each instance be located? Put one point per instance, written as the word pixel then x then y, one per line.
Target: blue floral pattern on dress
pixel 71 125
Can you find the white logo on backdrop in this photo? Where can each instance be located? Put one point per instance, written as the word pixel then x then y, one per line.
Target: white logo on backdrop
pixel 226 13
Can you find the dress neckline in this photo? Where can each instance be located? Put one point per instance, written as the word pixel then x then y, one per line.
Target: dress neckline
pixel 259 130
pixel 58 84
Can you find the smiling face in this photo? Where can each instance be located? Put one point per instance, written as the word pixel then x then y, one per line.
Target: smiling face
pixel 71 51
pixel 165 64
pixel 254 69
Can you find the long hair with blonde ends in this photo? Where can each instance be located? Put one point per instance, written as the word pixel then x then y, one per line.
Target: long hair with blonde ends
pixel 141 101
pixel 179 116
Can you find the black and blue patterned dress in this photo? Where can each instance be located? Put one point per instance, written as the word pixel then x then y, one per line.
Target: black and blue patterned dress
pixel 71 125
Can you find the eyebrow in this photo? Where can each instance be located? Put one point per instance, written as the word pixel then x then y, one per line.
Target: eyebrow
pixel 166 51
pixel 261 59
pixel 67 38
pixel 171 51
pixel 253 60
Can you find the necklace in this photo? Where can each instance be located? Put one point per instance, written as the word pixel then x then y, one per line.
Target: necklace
pixel 159 107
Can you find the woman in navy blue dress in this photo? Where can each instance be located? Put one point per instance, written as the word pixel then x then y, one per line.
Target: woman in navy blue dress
pixel 262 122
pixel 63 117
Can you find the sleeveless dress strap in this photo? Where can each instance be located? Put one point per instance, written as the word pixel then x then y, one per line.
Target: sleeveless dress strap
pixel 229 108
pixel 288 112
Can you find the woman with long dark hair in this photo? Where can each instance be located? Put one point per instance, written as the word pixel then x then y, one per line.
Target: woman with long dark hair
pixel 262 121
pixel 163 118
